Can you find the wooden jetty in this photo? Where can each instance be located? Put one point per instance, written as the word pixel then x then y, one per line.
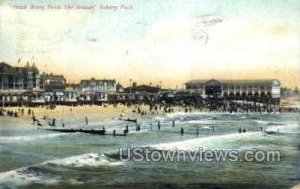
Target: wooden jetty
pixel 89 131
pixel 128 119
pixel 92 131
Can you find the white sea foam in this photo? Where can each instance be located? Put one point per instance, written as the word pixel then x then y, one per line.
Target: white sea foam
pixel 262 122
pixel 211 142
pixel 203 121
pixel 4 139
pixel 86 160
pixel 206 127
pixel 38 173
pixel 176 114
pixel 136 132
pixel 24 176
pixel 289 128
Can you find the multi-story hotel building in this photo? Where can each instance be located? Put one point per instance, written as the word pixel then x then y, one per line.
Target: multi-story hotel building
pixel 51 82
pixel 253 90
pixel 97 90
pixel 18 79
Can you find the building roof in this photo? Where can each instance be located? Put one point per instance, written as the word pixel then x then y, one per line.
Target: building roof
pixel 239 82
pixel 86 81
pixel 52 76
pixel 143 88
pixel 6 69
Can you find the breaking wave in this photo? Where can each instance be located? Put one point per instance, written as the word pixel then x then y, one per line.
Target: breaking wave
pixel 290 128
pixel 41 173
pixel 86 160
pixel 29 137
pixel 211 142
pixel 208 121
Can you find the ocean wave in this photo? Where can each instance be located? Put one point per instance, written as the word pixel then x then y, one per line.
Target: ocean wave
pixel 289 128
pixel 85 160
pixel 210 142
pixel 176 114
pixel 203 121
pixel 40 173
pixel 137 132
pixel 263 122
pixel 206 127
pixel 25 176
pixel 208 115
pixel 29 137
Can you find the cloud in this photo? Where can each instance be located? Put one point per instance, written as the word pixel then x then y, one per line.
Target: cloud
pixel 174 49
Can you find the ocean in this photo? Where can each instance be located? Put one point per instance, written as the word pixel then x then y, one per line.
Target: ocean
pixel 32 157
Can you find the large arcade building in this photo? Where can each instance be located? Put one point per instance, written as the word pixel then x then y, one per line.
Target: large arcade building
pixel 266 91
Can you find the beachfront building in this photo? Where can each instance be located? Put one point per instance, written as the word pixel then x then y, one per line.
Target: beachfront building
pixel 71 94
pixel 52 82
pixel 18 79
pixel 97 90
pixel 141 93
pixel 267 91
pixel 53 87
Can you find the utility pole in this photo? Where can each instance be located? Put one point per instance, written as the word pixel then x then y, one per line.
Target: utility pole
pixel 130 80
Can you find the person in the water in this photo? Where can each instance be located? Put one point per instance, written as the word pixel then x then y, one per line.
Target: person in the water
pixel 244 130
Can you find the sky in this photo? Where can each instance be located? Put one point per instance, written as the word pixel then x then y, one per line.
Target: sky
pixel 149 41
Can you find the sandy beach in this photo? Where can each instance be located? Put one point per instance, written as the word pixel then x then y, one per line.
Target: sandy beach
pixel 95 114
pixel 75 116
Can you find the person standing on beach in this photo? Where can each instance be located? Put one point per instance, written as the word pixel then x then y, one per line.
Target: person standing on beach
pixel 86 120
pixel 53 122
pixel 33 119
